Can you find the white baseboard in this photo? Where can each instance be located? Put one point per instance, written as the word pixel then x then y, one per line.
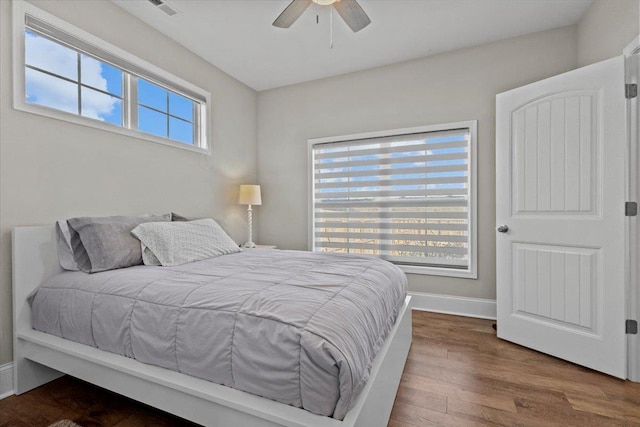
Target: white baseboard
pixel 460 306
pixel 6 380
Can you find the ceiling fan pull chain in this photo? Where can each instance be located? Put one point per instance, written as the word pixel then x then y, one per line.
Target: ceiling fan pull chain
pixel 330 28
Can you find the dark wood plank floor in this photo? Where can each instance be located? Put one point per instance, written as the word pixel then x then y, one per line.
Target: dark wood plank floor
pixel 458 374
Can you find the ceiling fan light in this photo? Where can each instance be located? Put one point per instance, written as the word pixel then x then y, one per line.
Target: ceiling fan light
pixel 325 2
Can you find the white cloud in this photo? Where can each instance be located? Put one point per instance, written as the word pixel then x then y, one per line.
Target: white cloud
pixel 60 94
pixel 56 93
pixel 92 73
pixel 48 55
pixel 97 105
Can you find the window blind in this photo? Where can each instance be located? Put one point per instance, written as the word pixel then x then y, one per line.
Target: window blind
pixel 403 198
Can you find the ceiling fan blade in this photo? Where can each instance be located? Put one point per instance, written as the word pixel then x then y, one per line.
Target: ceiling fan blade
pixel 353 14
pixel 292 12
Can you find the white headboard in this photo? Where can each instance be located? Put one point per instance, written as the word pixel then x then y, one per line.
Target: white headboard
pixel 35 259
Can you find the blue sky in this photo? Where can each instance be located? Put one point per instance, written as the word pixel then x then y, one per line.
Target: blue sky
pixel 160 109
pixel 173 118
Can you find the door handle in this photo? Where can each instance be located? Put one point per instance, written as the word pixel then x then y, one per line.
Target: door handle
pixel 502 228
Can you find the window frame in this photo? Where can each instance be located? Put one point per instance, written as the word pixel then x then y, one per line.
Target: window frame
pixel 143 69
pixel 471 271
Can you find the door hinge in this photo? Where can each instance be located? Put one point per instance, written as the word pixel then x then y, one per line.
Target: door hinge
pixel 630 209
pixel 631 327
pixel 630 90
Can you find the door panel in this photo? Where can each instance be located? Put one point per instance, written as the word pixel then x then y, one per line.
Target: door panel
pixel 561 173
pixel 559 177
pixel 557 284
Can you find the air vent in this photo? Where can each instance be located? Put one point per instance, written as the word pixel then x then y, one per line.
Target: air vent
pixel 167 9
pixel 164 6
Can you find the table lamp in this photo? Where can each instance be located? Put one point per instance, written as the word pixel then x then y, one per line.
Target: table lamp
pixel 250 195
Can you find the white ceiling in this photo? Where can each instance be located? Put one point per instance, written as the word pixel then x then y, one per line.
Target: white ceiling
pixel 237 35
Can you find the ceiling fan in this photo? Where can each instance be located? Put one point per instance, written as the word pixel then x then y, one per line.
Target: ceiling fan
pixel 349 10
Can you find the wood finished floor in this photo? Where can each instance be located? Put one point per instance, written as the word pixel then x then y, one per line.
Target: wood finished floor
pixel 458 374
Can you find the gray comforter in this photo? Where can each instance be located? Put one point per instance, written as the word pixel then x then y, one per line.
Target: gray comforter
pixel 297 327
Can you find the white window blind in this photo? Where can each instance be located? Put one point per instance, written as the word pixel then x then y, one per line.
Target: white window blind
pixel 403 198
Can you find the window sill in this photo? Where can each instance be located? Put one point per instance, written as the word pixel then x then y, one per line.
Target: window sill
pixel 97 124
pixel 435 271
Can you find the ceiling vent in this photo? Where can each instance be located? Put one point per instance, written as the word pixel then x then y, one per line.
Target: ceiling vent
pixel 164 6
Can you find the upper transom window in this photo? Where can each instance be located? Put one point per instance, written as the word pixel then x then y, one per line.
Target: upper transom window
pixel 87 81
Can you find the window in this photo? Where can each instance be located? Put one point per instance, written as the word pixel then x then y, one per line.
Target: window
pixel 67 72
pixel 165 113
pixel 405 196
pixel 62 78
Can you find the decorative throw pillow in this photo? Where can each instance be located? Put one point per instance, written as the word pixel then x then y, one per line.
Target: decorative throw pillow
pixel 148 257
pixel 63 243
pixel 178 217
pixel 180 242
pixel 106 243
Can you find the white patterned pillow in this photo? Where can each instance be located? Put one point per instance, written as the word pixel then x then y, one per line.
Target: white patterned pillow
pixel 148 257
pixel 176 243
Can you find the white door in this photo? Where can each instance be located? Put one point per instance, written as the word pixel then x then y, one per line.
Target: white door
pixel 561 154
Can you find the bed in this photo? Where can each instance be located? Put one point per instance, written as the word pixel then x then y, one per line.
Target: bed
pixel 40 357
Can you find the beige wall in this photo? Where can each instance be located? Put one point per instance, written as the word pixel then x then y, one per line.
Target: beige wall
pixel 606 28
pixel 450 87
pixel 52 169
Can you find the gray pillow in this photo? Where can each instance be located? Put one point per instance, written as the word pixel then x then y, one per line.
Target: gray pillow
pixel 106 243
pixel 180 242
pixel 179 218
pixel 63 243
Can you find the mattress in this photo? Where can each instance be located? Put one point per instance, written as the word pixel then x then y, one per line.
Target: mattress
pixel 297 327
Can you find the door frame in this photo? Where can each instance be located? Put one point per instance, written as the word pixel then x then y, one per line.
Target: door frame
pixel 632 75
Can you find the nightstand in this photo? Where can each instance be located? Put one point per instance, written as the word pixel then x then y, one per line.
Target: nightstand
pixel 261 247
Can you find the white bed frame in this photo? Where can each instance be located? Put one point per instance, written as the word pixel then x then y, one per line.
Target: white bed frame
pixel 40 358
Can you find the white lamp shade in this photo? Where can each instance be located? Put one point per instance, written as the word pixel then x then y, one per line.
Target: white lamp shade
pixel 250 195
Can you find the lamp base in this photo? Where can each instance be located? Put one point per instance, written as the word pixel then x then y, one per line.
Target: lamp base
pixel 249 245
